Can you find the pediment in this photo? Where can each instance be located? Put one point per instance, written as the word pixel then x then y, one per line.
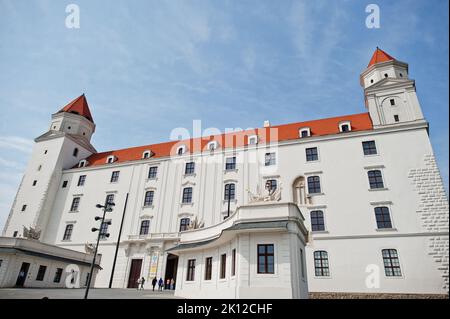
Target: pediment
pixel 387 82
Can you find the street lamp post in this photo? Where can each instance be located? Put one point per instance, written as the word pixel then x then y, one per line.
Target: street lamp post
pixel 106 208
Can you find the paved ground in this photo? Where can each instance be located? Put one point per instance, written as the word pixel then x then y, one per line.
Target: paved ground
pixel 37 293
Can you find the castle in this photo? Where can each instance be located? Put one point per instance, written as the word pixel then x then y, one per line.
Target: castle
pixel 346 205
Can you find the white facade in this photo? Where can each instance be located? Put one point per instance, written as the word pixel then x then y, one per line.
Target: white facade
pixel 412 195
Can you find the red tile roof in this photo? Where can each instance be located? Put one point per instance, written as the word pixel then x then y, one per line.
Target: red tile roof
pixel 329 126
pixel 78 106
pixel 380 56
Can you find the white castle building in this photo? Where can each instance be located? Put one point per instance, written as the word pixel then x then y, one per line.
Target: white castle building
pixel 350 204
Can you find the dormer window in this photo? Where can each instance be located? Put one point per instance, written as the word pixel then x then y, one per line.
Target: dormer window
pixel 82 163
pixel 345 127
pixel 181 149
pixel 304 132
pixel 147 154
pixel 111 159
pixel 253 140
pixel 213 145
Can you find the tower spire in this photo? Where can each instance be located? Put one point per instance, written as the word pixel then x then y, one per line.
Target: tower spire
pixel 78 106
pixel 380 56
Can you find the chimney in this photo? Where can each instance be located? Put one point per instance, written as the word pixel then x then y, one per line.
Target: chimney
pixel 267 123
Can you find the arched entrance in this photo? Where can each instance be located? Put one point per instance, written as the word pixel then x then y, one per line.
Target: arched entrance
pixel 171 269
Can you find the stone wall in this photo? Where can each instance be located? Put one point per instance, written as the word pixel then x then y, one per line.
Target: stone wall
pixel 342 295
pixel 433 211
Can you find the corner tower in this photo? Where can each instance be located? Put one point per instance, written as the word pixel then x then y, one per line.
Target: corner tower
pixel 65 143
pixel 390 95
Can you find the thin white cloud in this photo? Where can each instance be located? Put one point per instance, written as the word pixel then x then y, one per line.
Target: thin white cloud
pixel 16 143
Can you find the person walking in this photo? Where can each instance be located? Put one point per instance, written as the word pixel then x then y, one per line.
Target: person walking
pixel 172 284
pixel 160 284
pixel 154 282
pixel 167 284
pixel 142 283
pixel 138 283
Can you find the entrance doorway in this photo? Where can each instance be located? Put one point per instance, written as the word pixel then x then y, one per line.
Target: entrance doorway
pixel 22 274
pixel 171 270
pixel 135 273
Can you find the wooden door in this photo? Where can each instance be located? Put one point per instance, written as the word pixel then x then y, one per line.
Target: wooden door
pixel 135 273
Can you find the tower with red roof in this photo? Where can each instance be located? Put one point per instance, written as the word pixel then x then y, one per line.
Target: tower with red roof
pixel 390 94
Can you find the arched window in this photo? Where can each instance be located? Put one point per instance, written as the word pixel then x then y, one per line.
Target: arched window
pixel 75 152
pixel 314 185
pixel 82 163
pixel 184 224
pixel 181 149
pixel 304 132
pixel 187 195
pixel 145 227
pixel 148 200
pixel 300 191
pixel 345 127
pixel 375 179
pixel 321 265
pixel 147 154
pixel 230 191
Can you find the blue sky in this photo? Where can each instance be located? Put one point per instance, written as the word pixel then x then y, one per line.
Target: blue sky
pixel 147 67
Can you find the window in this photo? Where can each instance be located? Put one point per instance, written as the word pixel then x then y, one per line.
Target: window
pixel 147 154
pixel 391 263
pixel 230 163
pixel 82 163
pixel 253 140
pixel 305 132
pixel 181 150
pixel 41 273
pixel 302 266
pixel 15 233
pixel 212 145
pixel 208 268
pixel 110 159
pixel 266 259
pixel 64 184
pixel 312 154
pixel 385 75
pixel 383 217
pixel 24 207
pixel 34 182
pixel 317 220
pixel 314 185
pixel 145 226
pixel 39 168
pixel 190 275
pixel 148 200
pixel 369 148
pixel 230 190
pixel 109 199
pixel 152 172
pixel 187 195
pixel 104 229
pixel 190 168
pixel 321 265
pixel 184 224
pixel 396 118
pixel 45 152
pixel 223 266
pixel 75 204
pixel 269 159
pixel 115 176
pixel 68 232
pixel 345 128
pixel 271 184
pixel 233 262
pixel 375 179
pixel 75 152
pixel 58 275
pixel 81 180
pixel 392 101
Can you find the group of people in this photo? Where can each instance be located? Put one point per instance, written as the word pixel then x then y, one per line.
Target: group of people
pixel 168 285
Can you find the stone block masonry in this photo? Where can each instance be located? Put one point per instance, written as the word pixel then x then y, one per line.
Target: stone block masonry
pixel 433 212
